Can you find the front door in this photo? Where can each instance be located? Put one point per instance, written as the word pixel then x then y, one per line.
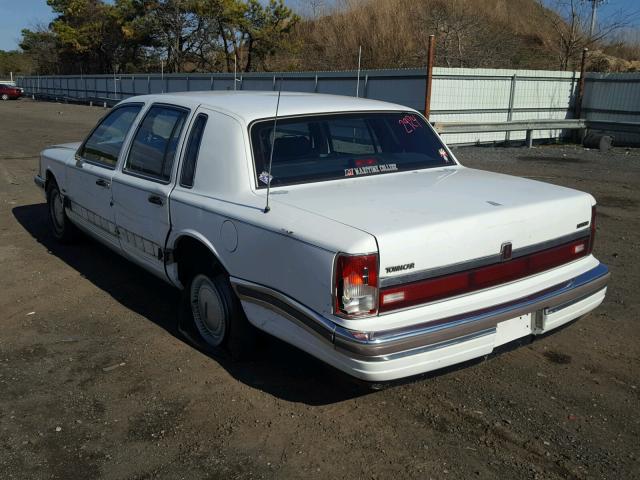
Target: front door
pixel 141 189
pixel 89 180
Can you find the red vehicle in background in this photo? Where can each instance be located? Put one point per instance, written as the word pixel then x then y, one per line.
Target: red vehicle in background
pixel 9 92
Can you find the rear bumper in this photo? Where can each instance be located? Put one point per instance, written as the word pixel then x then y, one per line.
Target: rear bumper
pixel 389 354
pixel 385 345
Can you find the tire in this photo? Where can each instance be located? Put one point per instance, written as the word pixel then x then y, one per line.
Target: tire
pixel 217 315
pixel 61 227
pixel 5 97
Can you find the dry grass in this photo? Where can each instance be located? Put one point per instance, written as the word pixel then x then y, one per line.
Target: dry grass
pixel 394 34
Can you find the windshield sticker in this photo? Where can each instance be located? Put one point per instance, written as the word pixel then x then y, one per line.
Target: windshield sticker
pixel 410 123
pixel 265 178
pixel 356 171
pixel 443 153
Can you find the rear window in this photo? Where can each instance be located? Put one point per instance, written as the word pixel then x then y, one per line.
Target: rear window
pixel 329 147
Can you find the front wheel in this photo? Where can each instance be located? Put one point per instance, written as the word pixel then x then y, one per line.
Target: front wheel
pixel 218 316
pixel 61 227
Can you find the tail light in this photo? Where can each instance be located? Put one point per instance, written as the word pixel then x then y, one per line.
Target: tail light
pixel 356 285
pixel 423 291
pixel 592 227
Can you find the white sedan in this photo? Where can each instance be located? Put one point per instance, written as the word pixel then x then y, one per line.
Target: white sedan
pixel 379 253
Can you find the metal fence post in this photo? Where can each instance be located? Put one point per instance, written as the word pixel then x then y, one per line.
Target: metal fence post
pixel 512 95
pixel 580 96
pixel 430 60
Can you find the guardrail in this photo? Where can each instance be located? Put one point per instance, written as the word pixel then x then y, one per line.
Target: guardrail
pixel 529 126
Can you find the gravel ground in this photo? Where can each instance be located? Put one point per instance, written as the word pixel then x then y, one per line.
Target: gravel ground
pixel 95 383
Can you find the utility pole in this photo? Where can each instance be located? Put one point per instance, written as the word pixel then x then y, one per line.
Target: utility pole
pixel 594 9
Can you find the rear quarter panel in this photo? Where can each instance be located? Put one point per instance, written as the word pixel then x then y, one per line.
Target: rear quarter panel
pixel 256 253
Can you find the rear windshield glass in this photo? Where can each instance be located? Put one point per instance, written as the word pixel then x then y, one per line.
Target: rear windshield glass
pixel 328 147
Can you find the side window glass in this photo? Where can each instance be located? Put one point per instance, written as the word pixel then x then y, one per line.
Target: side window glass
pixel 154 146
pixel 193 148
pixel 104 144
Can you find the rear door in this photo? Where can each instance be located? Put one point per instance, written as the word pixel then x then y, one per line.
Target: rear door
pixel 141 188
pixel 89 180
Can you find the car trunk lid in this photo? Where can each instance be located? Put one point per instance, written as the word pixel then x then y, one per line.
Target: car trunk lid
pixel 436 218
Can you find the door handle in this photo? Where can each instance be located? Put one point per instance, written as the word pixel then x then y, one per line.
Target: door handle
pixel 102 183
pixel 156 200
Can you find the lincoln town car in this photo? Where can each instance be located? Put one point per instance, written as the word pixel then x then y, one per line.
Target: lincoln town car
pixel 343 226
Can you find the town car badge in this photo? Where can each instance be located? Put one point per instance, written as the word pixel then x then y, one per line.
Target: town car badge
pixel 398 268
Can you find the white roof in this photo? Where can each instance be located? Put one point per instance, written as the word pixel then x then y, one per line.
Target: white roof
pixel 253 105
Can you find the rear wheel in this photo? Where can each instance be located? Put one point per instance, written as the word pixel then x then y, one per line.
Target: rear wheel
pixel 217 315
pixel 5 96
pixel 61 227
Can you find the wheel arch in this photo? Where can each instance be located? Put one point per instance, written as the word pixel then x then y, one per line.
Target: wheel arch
pixel 189 248
pixel 49 177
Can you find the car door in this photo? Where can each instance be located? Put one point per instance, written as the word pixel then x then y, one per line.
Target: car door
pixel 141 188
pixel 89 179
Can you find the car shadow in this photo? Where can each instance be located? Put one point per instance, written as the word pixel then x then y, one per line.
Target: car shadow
pixel 282 370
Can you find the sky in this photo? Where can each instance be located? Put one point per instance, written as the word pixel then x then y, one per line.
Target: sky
pixel 18 14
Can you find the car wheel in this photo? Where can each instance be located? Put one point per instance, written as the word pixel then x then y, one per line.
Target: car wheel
pixel 5 96
pixel 218 316
pixel 61 227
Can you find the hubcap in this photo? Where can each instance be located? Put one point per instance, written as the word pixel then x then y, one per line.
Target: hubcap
pixel 57 210
pixel 208 310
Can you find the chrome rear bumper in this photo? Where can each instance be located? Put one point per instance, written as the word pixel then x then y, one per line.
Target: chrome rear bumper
pixel 391 344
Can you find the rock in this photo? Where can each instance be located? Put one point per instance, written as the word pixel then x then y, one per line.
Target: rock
pixel 113 367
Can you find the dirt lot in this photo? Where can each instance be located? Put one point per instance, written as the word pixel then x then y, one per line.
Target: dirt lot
pixel 564 406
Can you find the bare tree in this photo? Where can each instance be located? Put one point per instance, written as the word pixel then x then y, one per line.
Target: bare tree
pixel 571 21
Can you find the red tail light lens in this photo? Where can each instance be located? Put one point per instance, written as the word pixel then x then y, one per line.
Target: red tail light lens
pixel 592 238
pixel 424 291
pixel 356 285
